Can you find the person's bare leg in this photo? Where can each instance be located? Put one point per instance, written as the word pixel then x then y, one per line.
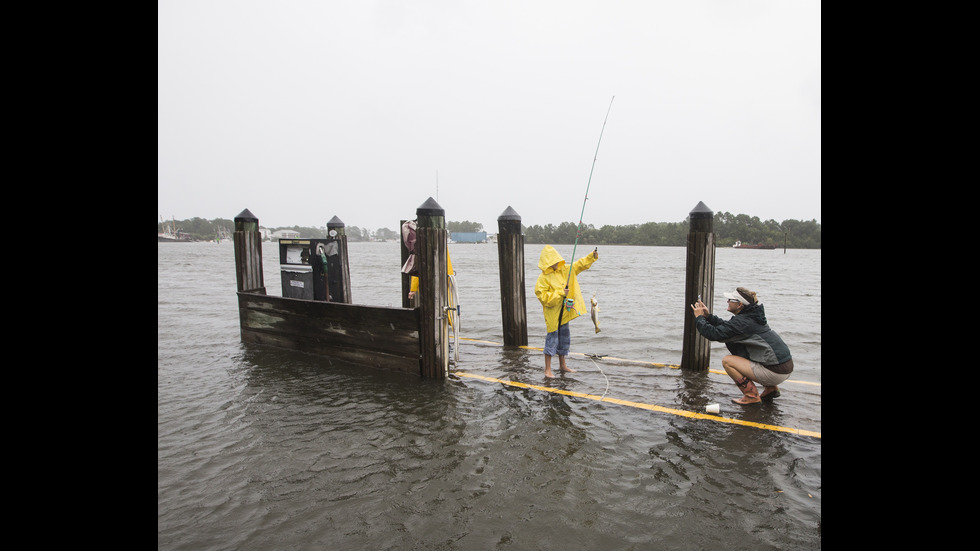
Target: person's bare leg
pixel 740 370
pixel 547 366
pixel 737 367
pixel 564 368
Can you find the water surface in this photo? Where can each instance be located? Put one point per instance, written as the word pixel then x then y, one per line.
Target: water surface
pixel 269 449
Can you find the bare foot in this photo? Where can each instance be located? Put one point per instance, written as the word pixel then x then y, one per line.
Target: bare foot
pixel 548 374
pixel 567 370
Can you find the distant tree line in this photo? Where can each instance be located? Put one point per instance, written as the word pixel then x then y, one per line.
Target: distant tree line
pixel 464 227
pixel 728 229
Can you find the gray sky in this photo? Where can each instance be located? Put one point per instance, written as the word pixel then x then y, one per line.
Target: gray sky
pixel 302 110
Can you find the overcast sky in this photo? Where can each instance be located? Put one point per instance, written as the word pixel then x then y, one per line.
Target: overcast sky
pixel 302 110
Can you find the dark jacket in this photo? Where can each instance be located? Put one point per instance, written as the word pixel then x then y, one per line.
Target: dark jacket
pixel 748 335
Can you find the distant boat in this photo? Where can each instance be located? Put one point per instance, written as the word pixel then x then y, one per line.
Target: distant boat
pixel 170 233
pixel 739 245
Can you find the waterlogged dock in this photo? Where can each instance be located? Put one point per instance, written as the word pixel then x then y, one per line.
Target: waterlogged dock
pixel 606 398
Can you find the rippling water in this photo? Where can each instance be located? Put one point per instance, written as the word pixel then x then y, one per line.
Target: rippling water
pixel 268 449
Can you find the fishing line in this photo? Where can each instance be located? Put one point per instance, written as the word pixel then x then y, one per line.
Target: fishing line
pixel 578 232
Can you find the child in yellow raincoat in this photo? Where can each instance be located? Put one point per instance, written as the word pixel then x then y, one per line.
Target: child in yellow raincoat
pixel 551 290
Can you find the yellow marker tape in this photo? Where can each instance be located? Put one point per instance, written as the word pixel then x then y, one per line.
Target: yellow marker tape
pixel 640 405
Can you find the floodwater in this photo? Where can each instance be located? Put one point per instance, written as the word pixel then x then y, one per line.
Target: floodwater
pixel 261 448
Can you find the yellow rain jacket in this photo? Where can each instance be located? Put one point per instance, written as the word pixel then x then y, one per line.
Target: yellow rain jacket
pixel 550 287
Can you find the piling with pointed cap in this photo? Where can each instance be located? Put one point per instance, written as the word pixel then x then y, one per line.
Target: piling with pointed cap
pixel 699 280
pixel 431 253
pixel 338 267
pixel 510 256
pixel 248 253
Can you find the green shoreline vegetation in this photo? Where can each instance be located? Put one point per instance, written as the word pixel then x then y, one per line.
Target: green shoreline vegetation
pixel 728 228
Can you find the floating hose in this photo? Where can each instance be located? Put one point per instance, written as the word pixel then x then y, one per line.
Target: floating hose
pixel 594 357
pixel 453 314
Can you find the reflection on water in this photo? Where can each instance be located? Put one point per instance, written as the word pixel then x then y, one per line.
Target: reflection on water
pixel 268 449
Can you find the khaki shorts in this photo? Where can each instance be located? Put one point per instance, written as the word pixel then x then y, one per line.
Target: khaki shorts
pixel 765 377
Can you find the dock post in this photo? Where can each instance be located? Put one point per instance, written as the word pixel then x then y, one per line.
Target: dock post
pixel 510 256
pixel 248 253
pixel 699 280
pixel 431 248
pixel 338 266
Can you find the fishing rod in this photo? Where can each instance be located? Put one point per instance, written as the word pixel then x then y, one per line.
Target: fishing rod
pixel 578 231
pixel 581 216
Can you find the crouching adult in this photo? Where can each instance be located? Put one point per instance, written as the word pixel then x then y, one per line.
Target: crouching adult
pixel 757 353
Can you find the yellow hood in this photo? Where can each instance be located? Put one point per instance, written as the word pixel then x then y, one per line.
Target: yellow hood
pixel 549 256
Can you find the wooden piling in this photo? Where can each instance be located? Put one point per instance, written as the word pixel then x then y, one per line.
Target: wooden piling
pixel 431 250
pixel 248 253
pixel 700 280
pixel 510 256
pixel 338 267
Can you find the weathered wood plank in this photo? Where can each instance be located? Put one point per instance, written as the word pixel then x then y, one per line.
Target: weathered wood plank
pixel 351 356
pixel 372 335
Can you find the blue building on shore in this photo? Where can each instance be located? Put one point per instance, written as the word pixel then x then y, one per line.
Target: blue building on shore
pixel 468 237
